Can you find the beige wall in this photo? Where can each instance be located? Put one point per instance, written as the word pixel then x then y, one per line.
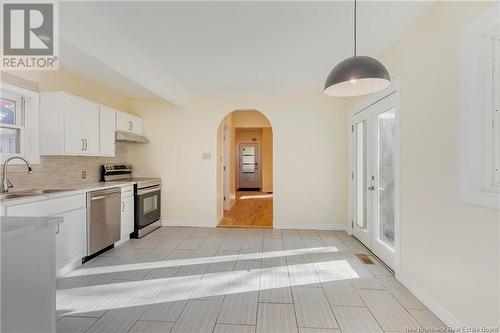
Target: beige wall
pixel 249 134
pixel 309 189
pixel 67 81
pixel 450 249
pixel 250 119
pixel 267 159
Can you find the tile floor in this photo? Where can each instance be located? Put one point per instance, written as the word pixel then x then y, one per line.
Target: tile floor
pixel 236 280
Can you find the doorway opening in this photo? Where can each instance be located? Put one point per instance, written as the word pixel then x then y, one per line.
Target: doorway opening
pixel 245 166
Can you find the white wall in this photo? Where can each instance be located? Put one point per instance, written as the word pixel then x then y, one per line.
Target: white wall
pixel 450 250
pixel 310 152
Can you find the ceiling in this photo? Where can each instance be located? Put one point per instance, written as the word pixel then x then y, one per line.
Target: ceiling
pixel 178 49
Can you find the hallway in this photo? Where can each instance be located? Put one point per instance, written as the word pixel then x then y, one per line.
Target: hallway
pixel 237 280
pixel 251 210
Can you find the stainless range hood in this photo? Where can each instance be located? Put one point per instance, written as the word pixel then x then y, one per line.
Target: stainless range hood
pixel 130 137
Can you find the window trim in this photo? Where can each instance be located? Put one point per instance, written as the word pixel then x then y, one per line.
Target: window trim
pixel 30 129
pixel 477 180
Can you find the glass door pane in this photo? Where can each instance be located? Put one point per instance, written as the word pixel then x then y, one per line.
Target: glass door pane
pixel 361 157
pixel 248 159
pixel 386 123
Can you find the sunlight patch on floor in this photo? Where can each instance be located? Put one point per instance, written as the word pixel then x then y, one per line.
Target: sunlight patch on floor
pixel 196 261
pixel 146 292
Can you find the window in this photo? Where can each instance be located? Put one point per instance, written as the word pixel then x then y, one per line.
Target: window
pixel 12 108
pixel 480 110
pixel 19 128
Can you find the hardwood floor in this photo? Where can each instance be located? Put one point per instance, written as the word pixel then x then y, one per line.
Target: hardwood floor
pixel 251 210
pixel 227 280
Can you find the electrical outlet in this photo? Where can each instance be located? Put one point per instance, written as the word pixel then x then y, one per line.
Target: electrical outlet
pixel 206 156
pixel 84 174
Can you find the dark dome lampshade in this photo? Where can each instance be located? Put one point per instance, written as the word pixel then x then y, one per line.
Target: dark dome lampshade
pixel 358 75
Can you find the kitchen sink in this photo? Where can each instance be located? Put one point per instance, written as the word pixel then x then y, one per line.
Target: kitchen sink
pixel 27 193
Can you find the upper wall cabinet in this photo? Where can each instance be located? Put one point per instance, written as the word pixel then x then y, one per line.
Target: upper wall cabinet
pixel 81 126
pixel 127 122
pixel 71 125
pixel 107 126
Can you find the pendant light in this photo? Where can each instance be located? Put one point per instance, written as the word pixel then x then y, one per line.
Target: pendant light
pixel 357 75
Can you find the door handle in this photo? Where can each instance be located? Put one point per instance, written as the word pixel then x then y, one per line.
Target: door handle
pixel 371 188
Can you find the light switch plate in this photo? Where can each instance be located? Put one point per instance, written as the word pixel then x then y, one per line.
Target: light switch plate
pixel 206 156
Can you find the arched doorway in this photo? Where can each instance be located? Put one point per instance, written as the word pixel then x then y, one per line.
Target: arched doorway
pixel 245 170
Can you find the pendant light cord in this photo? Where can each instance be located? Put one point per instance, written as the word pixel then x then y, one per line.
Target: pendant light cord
pixel 355 28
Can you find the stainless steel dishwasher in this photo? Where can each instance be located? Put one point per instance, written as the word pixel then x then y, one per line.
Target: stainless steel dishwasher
pixel 103 220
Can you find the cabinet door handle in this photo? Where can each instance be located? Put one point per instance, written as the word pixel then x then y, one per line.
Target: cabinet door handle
pixel 130 125
pixel 83 144
pixel 57 231
pixel 86 145
pixel 123 206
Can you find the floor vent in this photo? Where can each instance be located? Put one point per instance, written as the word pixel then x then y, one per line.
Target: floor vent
pixel 365 259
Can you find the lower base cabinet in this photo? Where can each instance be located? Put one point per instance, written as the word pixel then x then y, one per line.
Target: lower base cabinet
pixel 71 236
pixel 70 244
pixel 127 218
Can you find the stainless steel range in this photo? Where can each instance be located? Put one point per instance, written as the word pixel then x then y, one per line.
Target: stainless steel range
pixel 147 194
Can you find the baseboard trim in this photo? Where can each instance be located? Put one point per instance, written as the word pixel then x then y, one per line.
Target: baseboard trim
pixel 429 302
pixel 188 223
pixel 332 226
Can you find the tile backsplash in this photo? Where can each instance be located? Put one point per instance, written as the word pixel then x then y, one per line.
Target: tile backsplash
pixel 63 171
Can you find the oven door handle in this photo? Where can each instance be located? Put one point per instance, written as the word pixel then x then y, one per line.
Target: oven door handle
pixel 149 190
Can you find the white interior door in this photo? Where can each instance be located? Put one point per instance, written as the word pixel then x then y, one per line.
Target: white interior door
pixel 375 169
pixel 226 147
pixel 249 170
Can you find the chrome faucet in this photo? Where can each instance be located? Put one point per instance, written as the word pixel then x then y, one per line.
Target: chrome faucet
pixel 5 182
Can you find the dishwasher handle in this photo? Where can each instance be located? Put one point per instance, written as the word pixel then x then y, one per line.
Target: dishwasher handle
pixel 100 197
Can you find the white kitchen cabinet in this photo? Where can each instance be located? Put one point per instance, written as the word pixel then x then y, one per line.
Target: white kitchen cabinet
pixel 71 240
pixel 70 125
pixel 127 213
pixel 107 127
pixel 71 236
pixel 128 122
pixel 81 126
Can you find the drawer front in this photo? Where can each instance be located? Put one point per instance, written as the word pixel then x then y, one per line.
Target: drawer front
pixel 127 191
pixel 47 207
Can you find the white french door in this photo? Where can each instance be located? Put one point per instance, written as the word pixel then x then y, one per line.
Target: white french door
pixel 375 167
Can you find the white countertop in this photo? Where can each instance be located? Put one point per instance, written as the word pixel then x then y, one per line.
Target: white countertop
pixel 12 227
pixel 77 189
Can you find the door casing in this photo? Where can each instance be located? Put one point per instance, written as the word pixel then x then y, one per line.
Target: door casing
pixel 394 91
